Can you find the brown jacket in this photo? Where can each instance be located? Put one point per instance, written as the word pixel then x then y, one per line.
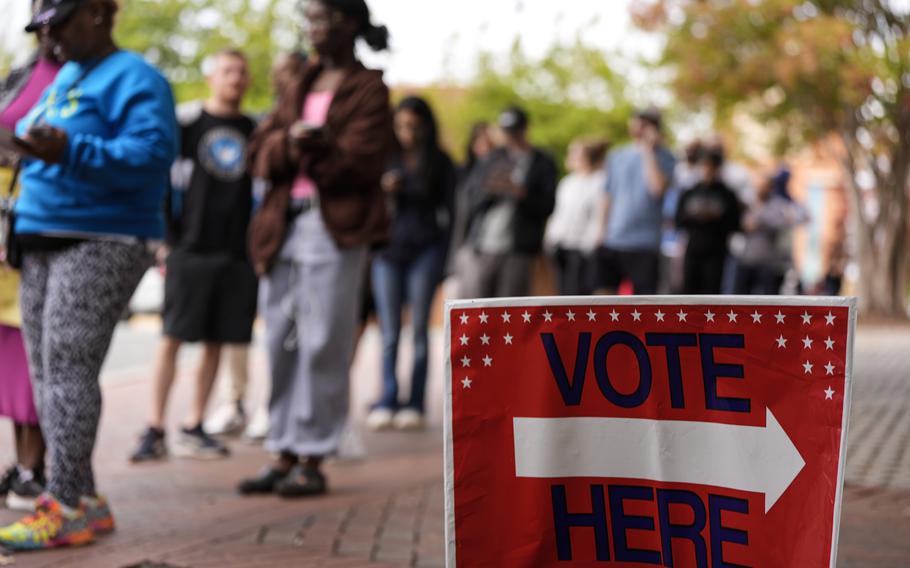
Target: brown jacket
pixel 346 169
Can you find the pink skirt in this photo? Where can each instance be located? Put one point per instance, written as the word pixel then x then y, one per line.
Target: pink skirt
pixel 16 400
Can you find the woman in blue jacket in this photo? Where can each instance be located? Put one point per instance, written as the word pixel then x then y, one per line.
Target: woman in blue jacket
pixel 98 148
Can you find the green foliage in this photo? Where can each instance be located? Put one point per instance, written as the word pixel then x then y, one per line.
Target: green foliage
pixel 178 35
pixel 571 92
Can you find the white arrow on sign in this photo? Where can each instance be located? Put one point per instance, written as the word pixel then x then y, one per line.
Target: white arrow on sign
pixel 745 458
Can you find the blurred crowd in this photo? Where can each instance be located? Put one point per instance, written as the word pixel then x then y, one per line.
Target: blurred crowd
pixel 334 206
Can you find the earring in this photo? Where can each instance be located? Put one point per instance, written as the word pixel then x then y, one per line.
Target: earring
pixel 99 20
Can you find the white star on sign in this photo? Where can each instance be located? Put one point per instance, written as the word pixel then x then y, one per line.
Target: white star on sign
pixel 807 319
pixel 466 383
pixel 682 315
pixel 506 317
pixel 781 342
pixel 829 319
pixel 614 315
pixel 829 393
pixel 487 361
pixel 732 316
pixel 464 339
pixel 547 316
pixel 508 339
pixel 465 361
pixel 780 317
pixel 659 315
pixel 829 344
pixel 636 315
pixel 709 316
pixel 807 367
pixel 571 315
pixel 484 317
pixel 756 317
pixel 829 368
pixel 464 319
pixel 807 343
pixel 485 339
pixel 591 315
pixel 527 317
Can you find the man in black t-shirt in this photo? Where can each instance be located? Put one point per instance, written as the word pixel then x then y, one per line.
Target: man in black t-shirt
pixel 210 286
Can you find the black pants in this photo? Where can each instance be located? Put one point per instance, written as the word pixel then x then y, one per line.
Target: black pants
pixel 703 273
pixel 760 280
pixel 574 272
pixel 640 268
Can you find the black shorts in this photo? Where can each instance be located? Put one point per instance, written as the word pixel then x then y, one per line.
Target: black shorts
pixel 209 297
pixel 642 269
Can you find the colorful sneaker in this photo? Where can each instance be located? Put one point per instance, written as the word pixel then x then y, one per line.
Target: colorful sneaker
pixel 24 491
pixel 53 525
pixel 98 513
pixel 195 443
pixel 151 447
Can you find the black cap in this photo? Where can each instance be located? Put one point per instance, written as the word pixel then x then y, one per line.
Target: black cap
pixel 513 119
pixel 52 13
pixel 650 115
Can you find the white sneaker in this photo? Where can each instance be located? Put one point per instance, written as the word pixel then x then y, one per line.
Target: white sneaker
pixel 258 428
pixel 228 420
pixel 409 420
pixel 379 419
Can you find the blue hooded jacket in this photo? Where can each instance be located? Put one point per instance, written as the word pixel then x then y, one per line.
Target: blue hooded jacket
pixel 119 117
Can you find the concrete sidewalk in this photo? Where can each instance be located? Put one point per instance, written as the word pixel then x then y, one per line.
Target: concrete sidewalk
pixel 387 509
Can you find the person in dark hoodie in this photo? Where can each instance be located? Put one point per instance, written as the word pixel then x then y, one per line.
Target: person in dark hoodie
pixel 709 212
pixel 511 196
pixel 310 238
pixel 98 148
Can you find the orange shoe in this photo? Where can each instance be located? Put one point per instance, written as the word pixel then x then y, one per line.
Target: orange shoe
pixel 53 525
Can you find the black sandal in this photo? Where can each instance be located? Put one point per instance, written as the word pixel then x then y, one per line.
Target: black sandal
pixel 303 481
pixel 266 482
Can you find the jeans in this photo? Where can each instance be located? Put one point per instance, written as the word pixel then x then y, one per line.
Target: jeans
pixel 395 285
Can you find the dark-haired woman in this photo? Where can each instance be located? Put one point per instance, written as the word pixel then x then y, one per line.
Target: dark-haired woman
pixel 421 185
pixel 98 148
pixel 324 150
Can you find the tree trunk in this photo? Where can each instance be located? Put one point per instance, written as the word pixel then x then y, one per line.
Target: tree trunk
pixel 882 240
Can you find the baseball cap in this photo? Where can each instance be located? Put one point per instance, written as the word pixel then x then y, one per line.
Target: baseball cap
pixel 513 119
pixel 651 115
pixel 52 13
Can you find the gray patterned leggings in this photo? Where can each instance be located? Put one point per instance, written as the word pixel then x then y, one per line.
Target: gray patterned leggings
pixel 71 302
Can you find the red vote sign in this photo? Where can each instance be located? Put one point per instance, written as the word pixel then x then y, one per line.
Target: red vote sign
pixel 633 432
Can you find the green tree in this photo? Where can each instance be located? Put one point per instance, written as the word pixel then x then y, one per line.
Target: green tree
pixel 178 35
pixel 573 91
pixel 812 69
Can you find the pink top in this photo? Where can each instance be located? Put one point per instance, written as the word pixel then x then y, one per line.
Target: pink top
pixel 42 76
pixel 315 111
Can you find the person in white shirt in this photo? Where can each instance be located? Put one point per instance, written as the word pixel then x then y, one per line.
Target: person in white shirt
pixel 574 230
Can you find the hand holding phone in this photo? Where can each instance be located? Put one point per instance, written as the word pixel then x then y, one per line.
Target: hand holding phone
pixel 306 134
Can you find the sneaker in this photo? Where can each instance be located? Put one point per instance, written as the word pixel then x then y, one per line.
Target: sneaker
pixel 98 513
pixel 196 444
pixel 53 525
pixel 258 428
pixel 409 420
pixel 302 482
pixel 229 420
pixel 24 491
pixel 380 419
pixel 151 447
pixel 263 483
pixel 7 480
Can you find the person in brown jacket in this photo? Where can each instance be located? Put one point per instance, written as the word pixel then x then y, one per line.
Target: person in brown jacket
pixel 323 153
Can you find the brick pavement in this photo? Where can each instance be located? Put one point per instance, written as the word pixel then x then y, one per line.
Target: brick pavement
pixel 387 510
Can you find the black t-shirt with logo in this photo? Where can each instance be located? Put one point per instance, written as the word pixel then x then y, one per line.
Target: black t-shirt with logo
pixel 217 200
